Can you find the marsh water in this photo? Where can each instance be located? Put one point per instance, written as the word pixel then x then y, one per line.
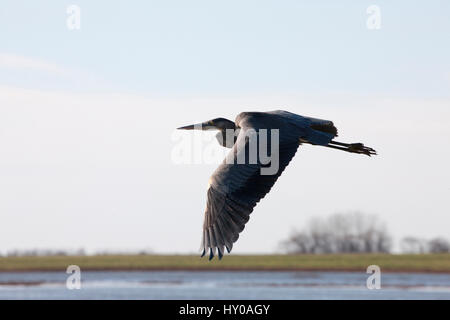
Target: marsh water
pixel 223 285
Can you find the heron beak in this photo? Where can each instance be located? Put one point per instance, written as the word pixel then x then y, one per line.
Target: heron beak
pixel 199 126
pixel 191 127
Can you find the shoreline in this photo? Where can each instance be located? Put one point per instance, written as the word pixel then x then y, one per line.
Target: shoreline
pixel 187 269
pixel 429 263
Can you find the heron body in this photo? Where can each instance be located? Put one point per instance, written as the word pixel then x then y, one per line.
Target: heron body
pixel 236 187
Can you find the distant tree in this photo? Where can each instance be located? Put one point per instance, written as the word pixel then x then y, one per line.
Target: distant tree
pixel 44 252
pixel 439 245
pixel 414 245
pixel 420 246
pixel 341 233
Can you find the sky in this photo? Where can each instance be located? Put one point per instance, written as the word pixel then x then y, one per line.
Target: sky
pixel 88 116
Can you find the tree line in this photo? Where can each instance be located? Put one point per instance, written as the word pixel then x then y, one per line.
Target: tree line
pixel 355 232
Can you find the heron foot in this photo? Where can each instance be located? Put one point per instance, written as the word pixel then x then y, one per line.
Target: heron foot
pixel 361 148
pixel 352 147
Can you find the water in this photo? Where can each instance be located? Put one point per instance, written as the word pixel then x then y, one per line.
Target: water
pixel 223 285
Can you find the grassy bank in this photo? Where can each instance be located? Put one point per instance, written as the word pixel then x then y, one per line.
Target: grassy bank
pixel 338 262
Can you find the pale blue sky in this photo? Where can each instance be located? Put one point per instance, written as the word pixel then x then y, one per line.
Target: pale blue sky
pixel 212 47
pixel 87 117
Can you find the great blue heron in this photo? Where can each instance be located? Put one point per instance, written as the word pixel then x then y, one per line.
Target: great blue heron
pixel 235 188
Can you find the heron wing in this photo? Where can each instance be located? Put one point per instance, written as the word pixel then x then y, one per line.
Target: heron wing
pixel 235 189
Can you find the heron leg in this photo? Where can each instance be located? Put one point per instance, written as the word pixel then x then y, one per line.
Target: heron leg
pixel 352 147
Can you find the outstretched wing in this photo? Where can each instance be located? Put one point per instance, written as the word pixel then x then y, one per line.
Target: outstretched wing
pixel 235 189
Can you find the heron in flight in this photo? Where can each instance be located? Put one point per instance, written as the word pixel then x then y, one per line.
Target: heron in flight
pixel 236 187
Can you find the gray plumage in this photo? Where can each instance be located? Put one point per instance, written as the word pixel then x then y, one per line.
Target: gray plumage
pixel 235 188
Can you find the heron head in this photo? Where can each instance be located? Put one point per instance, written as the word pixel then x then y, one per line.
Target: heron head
pixel 214 124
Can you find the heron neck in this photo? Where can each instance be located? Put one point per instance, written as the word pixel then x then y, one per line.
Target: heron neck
pixel 227 137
